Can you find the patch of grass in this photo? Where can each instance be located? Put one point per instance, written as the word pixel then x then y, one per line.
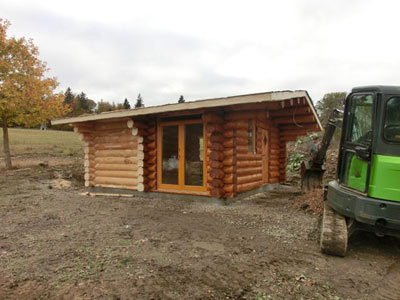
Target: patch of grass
pixel 42 142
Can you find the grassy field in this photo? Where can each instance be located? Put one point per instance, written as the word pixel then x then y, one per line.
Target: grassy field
pixel 42 142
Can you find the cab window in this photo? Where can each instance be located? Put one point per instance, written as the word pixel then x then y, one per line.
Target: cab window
pixel 391 128
pixel 361 120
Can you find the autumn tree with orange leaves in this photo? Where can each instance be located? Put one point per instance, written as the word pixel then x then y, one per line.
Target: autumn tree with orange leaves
pixel 27 96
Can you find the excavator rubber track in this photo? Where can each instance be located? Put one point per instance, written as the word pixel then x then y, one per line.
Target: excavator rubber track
pixel 334 233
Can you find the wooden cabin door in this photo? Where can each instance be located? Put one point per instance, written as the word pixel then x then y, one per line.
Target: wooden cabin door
pixel 265 155
pixel 181 163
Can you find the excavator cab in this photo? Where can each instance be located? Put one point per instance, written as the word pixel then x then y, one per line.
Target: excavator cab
pixel 366 192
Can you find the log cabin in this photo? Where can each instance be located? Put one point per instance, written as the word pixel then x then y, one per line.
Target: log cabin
pixel 216 147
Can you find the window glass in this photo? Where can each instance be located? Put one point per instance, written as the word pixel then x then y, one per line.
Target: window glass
pixel 251 136
pixel 391 129
pixel 361 119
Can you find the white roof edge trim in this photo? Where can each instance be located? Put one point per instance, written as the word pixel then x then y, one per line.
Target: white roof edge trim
pixel 208 103
pixel 310 103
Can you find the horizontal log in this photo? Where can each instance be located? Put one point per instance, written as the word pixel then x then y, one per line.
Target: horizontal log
pixel 117 153
pixel 117 138
pixel 248 156
pixel 116 174
pixel 117 146
pixel 217 138
pixel 216 183
pixel 150 160
pixel 249 178
pixel 274 180
pixel 216 192
pixel 151 168
pixel 122 167
pixel 217 174
pixel 247 186
pixel 273 168
pixel 274 151
pixel 150 138
pixel 228 152
pixel 249 171
pixel 228 178
pixel 242 141
pixel 239 124
pixel 216 147
pixel 215 164
pixel 116 181
pixel 151 129
pixel 116 160
pixel 115 186
pixel 229 195
pixel 227 134
pixel 151 145
pixel 246 115
pixel 215 155
pixel 151 176
pixel 150 152
pixel 110 126
pixel 248 164
pixel 212 118
pixel 228 188
pixel 242 149
pixel 228 170
pixel 228 143
pixel 273 174
pixel 274 162
pixel 152 183
pixel 241 133
pixel 215 128
pixel 228 161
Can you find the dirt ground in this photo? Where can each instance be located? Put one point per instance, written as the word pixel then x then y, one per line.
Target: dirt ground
pixel 59 244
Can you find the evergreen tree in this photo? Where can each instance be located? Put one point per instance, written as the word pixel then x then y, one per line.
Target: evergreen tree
pixel 126 104
pixel 139 102
pixel 181 99
pixel 68 97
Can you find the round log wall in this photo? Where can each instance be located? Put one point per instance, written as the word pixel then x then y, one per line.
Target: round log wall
pixel 148 131
pixel 113 154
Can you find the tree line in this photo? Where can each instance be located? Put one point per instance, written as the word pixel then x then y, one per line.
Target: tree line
pixel 80 104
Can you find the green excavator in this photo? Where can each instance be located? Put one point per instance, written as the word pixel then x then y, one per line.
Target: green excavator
pixel 366 192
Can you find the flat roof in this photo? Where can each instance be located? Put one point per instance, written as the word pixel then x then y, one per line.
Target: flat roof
pixel 193 105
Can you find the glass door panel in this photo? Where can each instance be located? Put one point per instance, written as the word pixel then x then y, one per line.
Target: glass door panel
pixel 194 147
pixel 355 169
pixel 170 155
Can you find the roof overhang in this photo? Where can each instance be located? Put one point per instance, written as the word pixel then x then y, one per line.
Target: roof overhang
pixel 195 105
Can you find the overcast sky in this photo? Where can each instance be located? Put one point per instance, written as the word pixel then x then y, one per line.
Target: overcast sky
pixel 205 49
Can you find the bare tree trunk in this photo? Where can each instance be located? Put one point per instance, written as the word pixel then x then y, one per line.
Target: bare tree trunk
pixel 6 144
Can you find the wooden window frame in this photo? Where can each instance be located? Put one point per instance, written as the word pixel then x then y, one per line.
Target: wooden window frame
pixel 181 152
pixel 253 137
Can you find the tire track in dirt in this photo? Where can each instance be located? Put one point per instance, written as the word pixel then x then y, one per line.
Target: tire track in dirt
pixel 389 289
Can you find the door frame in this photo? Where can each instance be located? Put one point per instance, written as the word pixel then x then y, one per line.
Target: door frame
pixel 347 146
pixel 181 157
